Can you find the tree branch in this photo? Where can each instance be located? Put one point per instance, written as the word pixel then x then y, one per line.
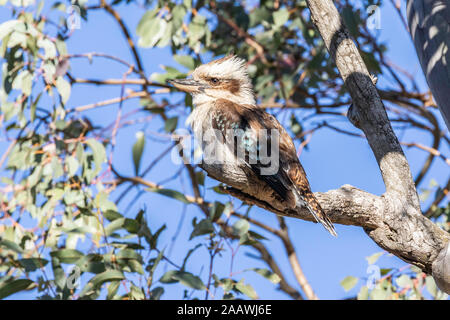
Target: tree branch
pixel 293 260
pixel 401 227
pixel 393 220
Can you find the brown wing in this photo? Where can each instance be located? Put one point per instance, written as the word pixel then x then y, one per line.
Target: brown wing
pixel 291 177
pixel 229 116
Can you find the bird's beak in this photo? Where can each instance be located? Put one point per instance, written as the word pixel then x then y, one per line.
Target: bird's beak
pixel 187 85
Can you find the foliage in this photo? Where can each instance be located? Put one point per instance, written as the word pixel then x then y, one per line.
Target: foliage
pixel 406 283
pixel 63 234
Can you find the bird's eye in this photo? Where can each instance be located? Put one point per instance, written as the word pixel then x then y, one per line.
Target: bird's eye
pixel 214 80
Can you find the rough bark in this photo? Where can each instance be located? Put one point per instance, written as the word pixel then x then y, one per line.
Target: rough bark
pixel 393 220
pixel 401 228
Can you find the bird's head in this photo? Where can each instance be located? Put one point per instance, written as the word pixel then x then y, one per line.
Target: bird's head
pixel 225 78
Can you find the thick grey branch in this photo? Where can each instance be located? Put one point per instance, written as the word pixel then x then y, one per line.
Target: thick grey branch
pixel 394 220
pixel 401 227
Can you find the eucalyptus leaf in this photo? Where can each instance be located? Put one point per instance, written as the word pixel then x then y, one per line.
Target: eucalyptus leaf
pixel 349 282
pixel 64 89
pixel 171 194
pixel 185 278
pixel 138 149
pixel 11 287
pixel 99 153
pixel 280 17
pixel 203 227
pixel 67 255
pixel 404 281
pixel 272 277
pixel 247 290
pixel 373 258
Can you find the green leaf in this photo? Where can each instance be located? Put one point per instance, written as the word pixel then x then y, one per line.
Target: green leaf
pixel 154 262
pixel 105 205
pixel 34 178
pixel 258 15
pixel 363 294
pixel 112 289
pixel 131 225
pixel 7 27
pixel 246 289
pixel 216 210
pixel 190 252
pixel 189 280
pixel 203 227
pixel 99 153
pixel 145 21
pixel 349 282
pixel 372 63
pixel 404 281
pixel 11 245
pixel 227 284
pixel 171 193
pixel 33 107
pixel 373 258
pixel 385 271
pixel 296 127
pixel 241 227
pixel 272 277
pixel 129 254
pixel 136 293
pixel 431 286
pixel 156 293
pixel 433 183
pixel 135 266
pixel 186 61
pixel 138 149
pixel 256 235
pixel 166 36
pixel 196 30
pixel 379 293
pixel 72 166
pixel 185 278
pixel 280 17
pixel 64 89
pixel 48 46
pixel 154 30
pixel 9 288
pixel 67 255
pixel 108 275
pixel 152 240
pixel 23 82
pixel 171 124
pixel 351 20
pixel 17 38
pixel 168 277
pixel 425 193
pixel 219 189
pixel 178 13
pixel 32 264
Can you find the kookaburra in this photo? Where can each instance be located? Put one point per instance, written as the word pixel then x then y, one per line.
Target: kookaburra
pixel 224 103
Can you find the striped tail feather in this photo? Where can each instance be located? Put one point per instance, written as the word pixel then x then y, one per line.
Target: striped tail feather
pixel 311 203
pixel 323 219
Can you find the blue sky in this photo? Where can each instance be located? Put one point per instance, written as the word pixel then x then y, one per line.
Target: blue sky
pixel 332 160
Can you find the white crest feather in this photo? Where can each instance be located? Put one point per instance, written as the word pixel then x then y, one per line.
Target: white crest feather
pixel 229 67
